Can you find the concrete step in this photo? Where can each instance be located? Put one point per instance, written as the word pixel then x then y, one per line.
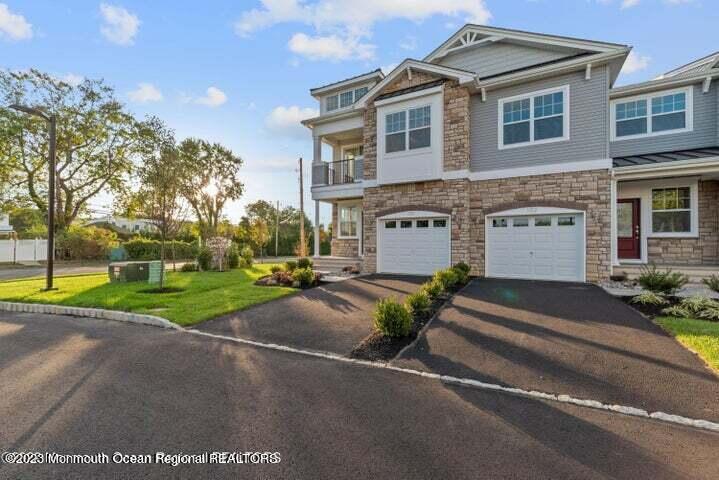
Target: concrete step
pixel 696 273
pixel 335 264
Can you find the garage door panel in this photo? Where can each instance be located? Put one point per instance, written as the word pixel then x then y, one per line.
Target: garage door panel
pixel 415 250
pixel 548 251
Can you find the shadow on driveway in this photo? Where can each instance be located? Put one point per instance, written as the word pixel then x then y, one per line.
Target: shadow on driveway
pixel 332 318
pixel 566 339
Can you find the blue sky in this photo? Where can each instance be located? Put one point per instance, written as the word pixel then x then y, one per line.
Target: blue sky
pixel 259 59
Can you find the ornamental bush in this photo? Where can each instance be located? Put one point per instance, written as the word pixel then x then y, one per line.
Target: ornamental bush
pixel 233 257
pixel 433 288
pixel 304 262
pixel 189 267
pixel 247 257
pixel 462 275
pixel 392 318
pixel 275 269
pixel 649 298
pixel 712 282
pixel 418 303
pixel 666 282
pixel 462 266
pixel 204 259
pixel 305 277
pixel 290 265
pixel 146 249
pixel 447 278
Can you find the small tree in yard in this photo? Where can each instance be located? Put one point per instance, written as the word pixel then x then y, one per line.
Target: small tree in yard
pixel 259 234
pixel 158 197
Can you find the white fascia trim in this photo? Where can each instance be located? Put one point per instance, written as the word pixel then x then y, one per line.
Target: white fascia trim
pixel 662 83
pixel 688 109
pixel 413 214
pixel 553 168
pixel 524 36
pixel 555 69
pixel 530 211
pixel 680 167
pixel 409 96
pixel 346 83
pixel 331 117
pixel 330 192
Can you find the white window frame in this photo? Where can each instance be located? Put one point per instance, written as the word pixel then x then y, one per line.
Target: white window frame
pixel 565 89
pixel 406 131
pixel 688 109
pixel 351 204
pixel 339 94
pixel 693 213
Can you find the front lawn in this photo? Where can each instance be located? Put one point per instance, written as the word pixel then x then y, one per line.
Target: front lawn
pixel 206 294
pixel 700 336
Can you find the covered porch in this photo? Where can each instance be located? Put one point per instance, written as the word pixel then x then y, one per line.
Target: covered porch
pixel 666 212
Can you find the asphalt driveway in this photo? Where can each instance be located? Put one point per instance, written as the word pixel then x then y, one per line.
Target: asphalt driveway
pixel 84 386
pixel 567 339
pixel 331 318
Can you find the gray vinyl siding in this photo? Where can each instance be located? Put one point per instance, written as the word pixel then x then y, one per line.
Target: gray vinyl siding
pixel 704 134
pixel 588 124
pixel 499 57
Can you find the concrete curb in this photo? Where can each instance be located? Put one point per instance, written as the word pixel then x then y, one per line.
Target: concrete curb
pixel 471 383
pixel 117 316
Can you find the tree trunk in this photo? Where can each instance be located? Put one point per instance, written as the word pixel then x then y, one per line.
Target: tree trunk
pixel 162 262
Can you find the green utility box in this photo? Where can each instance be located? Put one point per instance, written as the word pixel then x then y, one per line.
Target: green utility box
pixel 155 272
pixel 129 271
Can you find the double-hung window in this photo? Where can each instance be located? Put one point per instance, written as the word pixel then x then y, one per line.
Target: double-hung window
pixel 671 210
pixel 654 114
pixel 534 118
pixel 408 130
pixel 349 217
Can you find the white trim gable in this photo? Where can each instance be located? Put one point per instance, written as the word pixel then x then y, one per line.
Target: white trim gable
pixel 462 76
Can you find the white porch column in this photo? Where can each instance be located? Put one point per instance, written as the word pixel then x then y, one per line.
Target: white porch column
pixel 613 213
pixel 317 228
pixel 317 150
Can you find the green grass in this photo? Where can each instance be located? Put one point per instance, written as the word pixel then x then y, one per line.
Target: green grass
pixel 206 295
pixel 700 336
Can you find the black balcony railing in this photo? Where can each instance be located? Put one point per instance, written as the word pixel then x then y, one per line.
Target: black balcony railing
pixel 339 172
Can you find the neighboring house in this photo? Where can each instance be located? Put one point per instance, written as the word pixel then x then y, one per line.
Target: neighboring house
pixel 5 227
pixel 128 225
pixel 512 151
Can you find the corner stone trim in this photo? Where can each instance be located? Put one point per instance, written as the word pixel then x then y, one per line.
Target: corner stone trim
pixel 410 208
pixel 536 203
pixel 88 313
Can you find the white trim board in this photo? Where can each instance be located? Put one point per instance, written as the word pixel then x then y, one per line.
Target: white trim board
pixel 688 109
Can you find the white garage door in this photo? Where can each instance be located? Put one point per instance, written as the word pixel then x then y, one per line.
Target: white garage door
pixel 413 245
pixel 539 247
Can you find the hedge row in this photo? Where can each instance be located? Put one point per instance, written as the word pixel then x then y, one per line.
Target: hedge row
pixel 145 249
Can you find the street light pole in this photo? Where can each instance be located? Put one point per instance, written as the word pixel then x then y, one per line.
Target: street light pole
pixel 52 121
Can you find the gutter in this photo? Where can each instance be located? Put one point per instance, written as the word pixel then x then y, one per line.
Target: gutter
pixel 662 83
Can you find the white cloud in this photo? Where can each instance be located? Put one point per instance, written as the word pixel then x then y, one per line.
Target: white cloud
pixel 146 92
pixel 330 47
pixel 635 63
pixel 120 26
pixel 13 25
pixel 285 121
pixel 73 79
pixel 341 25
pixel 214 97
pixel 629 4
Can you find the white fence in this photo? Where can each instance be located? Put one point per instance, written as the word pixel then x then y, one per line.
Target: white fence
pixel 14 251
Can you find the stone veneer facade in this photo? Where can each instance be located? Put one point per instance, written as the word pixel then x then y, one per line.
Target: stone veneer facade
pixel 693 251
pixel 342 247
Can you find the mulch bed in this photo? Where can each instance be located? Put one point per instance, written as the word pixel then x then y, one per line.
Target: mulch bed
pixel 651 311
pixel 380 347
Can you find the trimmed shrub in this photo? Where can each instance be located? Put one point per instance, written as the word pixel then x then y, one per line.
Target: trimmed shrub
pixel 462 266
pixel 418 303
pixel 649 298
pixel 290 265
pixel 447 278
pixel 247 257
pixel 711 314
pixel 233 258
pixel 462 275
pixel 712 282
pixel 275 269
pixel 391 318
pixel 433 288
pixel 304 262
pixel 204 259
pixel 304 276
pixel 146 249
pixel 694 307
pixel 85 243
pixel 189 267
pixel 666 282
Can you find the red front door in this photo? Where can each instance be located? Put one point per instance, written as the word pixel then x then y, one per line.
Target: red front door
pixel 628 224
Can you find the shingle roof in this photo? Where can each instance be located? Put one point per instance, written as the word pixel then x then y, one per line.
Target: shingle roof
pixel 664 157
pixel 537 65
pixel 416 88
pixel 376 70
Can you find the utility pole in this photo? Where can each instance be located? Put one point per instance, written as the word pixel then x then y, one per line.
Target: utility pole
pixel 303 251
pixel 277 226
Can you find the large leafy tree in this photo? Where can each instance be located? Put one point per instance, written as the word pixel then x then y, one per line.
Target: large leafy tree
pixel 96 140
pixel 284 223
pixel 211 179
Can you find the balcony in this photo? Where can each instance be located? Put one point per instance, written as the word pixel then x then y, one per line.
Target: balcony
pixel 340 172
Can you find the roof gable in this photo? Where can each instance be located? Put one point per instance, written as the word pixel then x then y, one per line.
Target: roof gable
pixel 473 36
pixel 700 65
